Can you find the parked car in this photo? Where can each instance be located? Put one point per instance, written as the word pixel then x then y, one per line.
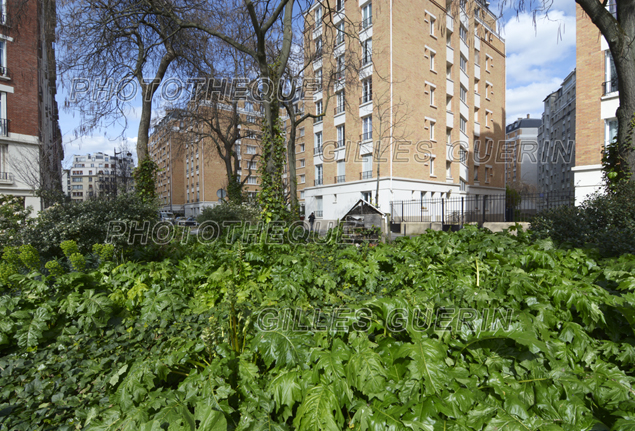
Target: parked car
pixel 166 216
pixel 190 221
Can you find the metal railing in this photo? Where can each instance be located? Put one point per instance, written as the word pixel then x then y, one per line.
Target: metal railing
pixel 6 177
pixel 478 208
pixel 365 99
pixel 318 120
pixel 366 175
pixel 340 179
pixel 318 182
pixel 609 86
pixel 317 150
pixel 4 127
pixel 339 109
pixel 366 136
pixel 366 23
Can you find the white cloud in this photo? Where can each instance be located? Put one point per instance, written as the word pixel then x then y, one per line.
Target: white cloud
pixel 539 51
pixel 528 99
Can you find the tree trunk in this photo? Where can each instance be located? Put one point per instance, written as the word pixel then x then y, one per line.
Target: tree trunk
pixel 293 185
pixel 144 125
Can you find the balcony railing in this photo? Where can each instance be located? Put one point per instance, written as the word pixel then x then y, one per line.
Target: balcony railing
pixel 365 99
pixel 366 23
pixel 366 175
pixel 319 119
pixel 340 179
pixel 609 86
pixel 4 127
pixel 317 182
pixel 6 178
pixel 340 109
pixel 366 136
pixel 317 150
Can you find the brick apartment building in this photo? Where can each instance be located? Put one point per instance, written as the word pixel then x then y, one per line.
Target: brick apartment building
pixel 192 176
pixel 30 139
pixel 521 163
pixel 596 124
pixel 424 100
pixel 98 175
pixel 556 139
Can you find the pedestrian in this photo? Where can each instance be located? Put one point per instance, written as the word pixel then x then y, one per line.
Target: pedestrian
pixel 312 220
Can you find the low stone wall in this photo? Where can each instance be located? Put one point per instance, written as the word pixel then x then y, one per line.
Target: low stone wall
pixel 418 228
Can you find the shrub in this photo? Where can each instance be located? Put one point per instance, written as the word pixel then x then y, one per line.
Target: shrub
pixel 13 218
pixel 605 221
pixel 228 212
pixel 86 223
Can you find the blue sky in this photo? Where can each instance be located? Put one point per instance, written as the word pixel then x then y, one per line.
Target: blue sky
pixel 539 57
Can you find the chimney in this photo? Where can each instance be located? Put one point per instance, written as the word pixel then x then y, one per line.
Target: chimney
pixel 527 115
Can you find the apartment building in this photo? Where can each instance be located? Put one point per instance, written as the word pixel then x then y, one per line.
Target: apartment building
pixel 521 162
pixel 30 139
pixel 596 123
pixel 192 175
pixel 556 139
pixel 98 175
pixel 412 97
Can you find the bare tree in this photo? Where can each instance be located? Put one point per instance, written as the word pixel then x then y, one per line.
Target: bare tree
pixel 108 48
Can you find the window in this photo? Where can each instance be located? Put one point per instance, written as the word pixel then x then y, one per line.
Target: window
pixel 487 90
pixel 367 166
pixel 463 94
pixel 340 72
pixel 448 39
pixel 463 64
pixel 463 155
pixel 448 169
pixel 318 111
pixel 318 17
pixel 367 54
pixel 302 179
pixel 610 130
pixel 318 47
pixel 432 166
pixel 340 103
pixel 462 185
pixel 488 173
pixel 477 57
pixel 463 125
pixel 489 62
pixel 475 174
pixel 341 170
pixel 432 124
pixel 252 180
pixel 488 118
pixel 318 80
pixel 250 149
pixel 367 196
pixel 610 74
pixel 77 180
pixel 432 22
pixel 432 96
pixel 463 4
pixel 367 128
pixel 301 148
pixel 318 143
pixel 367 16
pixel 339 38
pixel 252 165
pixel 432 55
pixel 341 136
pixel 80 187
pixel 319 171
pixel 302 163
pixel 339 5
pixel 463 33
pixel 367 90
pixel 3 55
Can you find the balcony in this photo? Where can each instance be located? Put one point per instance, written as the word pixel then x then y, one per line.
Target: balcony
pixel 477 129
pixel 366 23
pixel 317 182
pixel 449 54
pixel 6 178
pixel 609 86
pixel 317 150
pixel 477 100
pixel 449 87
pixel 449 119
pixel 340 179
pixel 449 22
pixel 4 127
pixel 366 175
pixel 477 71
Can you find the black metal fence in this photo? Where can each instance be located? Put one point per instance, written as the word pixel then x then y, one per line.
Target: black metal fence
pixel 478 208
